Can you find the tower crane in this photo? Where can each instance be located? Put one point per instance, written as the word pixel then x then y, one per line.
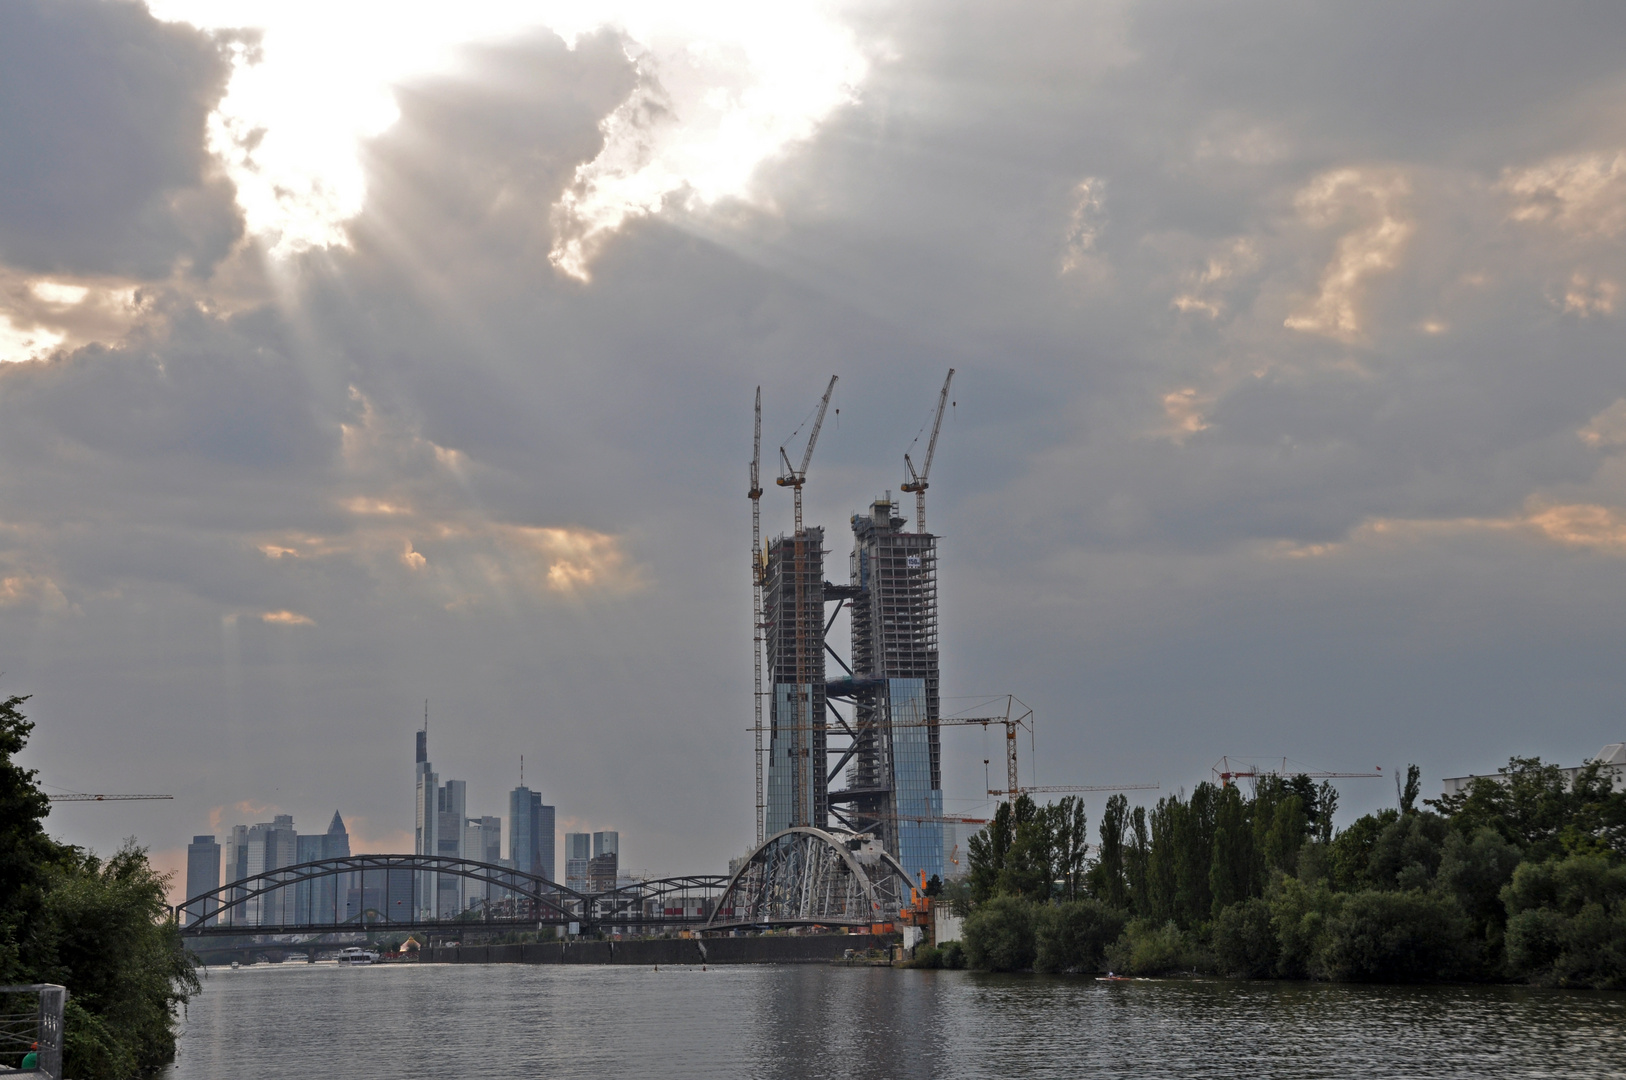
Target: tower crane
pixel 794 478
pixel 83 797
pixel 1013 720
pixel 1226 771
pixel 917 481
pixel 755 495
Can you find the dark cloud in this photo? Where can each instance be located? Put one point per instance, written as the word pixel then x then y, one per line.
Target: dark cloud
pixel 102 115
pixel 1266 436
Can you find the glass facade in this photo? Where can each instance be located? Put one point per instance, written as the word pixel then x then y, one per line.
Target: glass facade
pixel 920 842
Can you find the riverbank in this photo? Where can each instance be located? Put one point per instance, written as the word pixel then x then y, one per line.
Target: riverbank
pixel 774 949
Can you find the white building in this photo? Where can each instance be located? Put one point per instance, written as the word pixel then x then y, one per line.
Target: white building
pixel 1611 757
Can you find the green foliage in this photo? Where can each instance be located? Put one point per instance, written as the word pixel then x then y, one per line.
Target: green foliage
pixel 949 955
pixel 1030 851
pixel 1074 935
pixel 1522 879
pixel 999 935
pixel 1149 948
pixel 1245 942
pixel 1567 922
pixel 100 929
pixel 1399 936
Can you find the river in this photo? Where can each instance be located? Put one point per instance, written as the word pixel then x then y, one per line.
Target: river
pixel 506 1022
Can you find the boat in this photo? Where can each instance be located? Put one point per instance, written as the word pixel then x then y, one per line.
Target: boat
pixel 357 955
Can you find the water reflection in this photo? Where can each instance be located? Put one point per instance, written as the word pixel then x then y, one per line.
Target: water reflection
pixel 502 1022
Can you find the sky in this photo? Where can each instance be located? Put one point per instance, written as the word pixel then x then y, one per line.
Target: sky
pixel 354 355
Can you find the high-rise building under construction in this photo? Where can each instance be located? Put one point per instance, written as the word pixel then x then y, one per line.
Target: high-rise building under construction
pixel 793 616
pixel 894 779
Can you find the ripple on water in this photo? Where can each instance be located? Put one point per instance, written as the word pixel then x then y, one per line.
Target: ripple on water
pixel 505 1022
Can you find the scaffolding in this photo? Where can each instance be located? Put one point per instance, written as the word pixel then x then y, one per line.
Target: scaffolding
pixel 793 618
pixel 894 778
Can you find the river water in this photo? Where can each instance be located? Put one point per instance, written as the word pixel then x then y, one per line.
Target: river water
pixel 505 1022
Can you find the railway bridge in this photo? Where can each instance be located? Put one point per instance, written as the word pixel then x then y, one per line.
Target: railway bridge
pixel 802 877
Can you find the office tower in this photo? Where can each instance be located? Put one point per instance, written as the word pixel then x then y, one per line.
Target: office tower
pixel 319 900
pixel 237 870
pixel 452 807
pixel 530 832
pixel 895 780
pixel 578 852
pixel 793 612
pixel 606 843
pixel 281 849
pixel 482 842
pixel 203 875
pixel 602 870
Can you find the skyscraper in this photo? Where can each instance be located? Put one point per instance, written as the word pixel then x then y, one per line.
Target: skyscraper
pixel 793 611
pixel 530 832
pixel 605 865
pixel 578 852
pixel 203 874
pixel 895 779
pixel 426 840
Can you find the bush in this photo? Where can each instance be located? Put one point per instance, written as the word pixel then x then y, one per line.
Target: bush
pixel 1298 917
pixel 1245 941
pixel 1074 936
pixel 999 935
pixel 1147 948
pixel 947 955
pixel 1568 923
pixel 1412 936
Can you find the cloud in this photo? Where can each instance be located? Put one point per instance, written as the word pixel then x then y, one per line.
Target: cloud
pixel 1584 194
pixel 1608 428
pixel 720 88
pixel 1373 245
pixel 102 112
pixel 1085 222
pixel 287 618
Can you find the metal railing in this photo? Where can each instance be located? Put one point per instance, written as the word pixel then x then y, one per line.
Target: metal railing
pixel 32 1026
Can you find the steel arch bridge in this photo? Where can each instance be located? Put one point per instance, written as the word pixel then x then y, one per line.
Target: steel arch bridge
pixel 813 877
pixel 373 892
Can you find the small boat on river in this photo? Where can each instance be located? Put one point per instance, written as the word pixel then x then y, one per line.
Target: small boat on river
pixel 356 955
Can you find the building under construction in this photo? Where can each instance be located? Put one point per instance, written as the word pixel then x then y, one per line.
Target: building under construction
pixel 891 751
pixel 793 618
pixel 894 764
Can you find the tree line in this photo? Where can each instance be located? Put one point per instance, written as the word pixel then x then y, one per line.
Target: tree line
pixel 1522 878
pixel 100 927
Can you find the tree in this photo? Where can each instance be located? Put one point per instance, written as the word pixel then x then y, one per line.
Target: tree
pixel 1109 881
pixel 100 929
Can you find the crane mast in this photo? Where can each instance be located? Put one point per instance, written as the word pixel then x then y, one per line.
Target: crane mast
pixel 755 495
pixel 82 797
pixel 794 478
pixel 917 481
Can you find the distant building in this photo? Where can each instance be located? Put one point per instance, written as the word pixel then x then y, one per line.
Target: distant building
pixel 482 842
pixel 320 899
pixel 530 833
pixel 1611 757
pixel 606 843
pixel 578 852
pixel 602 871
pixel 203 874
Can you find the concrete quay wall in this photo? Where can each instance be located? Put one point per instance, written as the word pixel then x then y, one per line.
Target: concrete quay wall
pixel 779 949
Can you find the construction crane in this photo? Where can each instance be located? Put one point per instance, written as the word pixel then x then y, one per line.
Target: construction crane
pixel 755 495
pixel 1225 771
pixel 82 797
pixel 794 478
pixel 1013 720
pixel 917 481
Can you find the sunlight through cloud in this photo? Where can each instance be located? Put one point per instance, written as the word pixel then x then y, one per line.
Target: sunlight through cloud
pixel 721 87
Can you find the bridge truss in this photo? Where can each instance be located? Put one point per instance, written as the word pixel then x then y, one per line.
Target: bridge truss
pixel 362 893
pixel 813 877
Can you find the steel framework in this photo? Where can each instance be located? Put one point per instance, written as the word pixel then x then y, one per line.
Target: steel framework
pixel 520 899
pixel 813 877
